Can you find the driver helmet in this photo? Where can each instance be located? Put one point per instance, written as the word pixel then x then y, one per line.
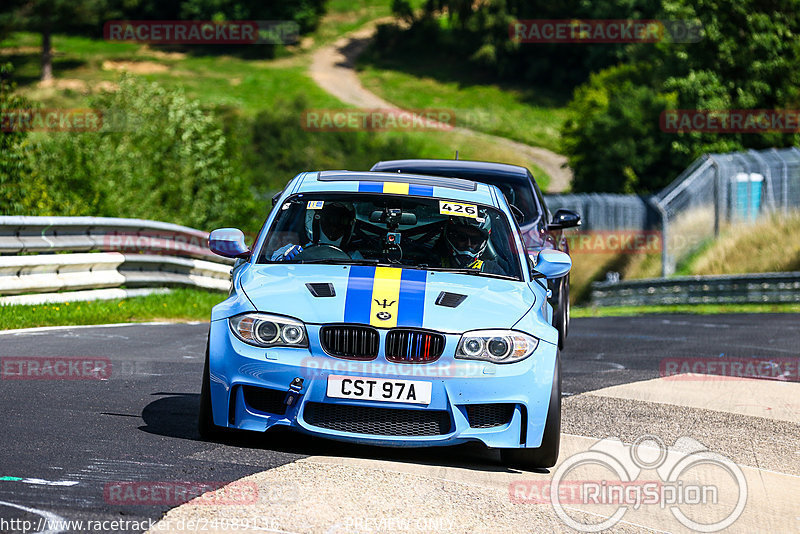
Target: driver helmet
pixel 467 237
pixel 336 220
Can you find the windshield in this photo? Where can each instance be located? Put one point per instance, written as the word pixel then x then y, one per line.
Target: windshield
pixel 411 232
pixel 520 195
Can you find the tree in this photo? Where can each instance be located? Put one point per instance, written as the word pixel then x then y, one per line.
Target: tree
pixel 56 16
pixel 747 60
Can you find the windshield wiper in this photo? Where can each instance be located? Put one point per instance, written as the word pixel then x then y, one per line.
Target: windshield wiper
pixel 332 261
pixel 474 272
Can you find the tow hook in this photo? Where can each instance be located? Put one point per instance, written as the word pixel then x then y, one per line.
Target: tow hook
pixel 294 391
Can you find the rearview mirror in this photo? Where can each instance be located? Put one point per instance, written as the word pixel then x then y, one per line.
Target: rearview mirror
pixel 564 219
pixel 405 218
pixel 552 263
pixel 228 242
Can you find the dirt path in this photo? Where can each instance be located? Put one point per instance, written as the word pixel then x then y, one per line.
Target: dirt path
pixel 332 69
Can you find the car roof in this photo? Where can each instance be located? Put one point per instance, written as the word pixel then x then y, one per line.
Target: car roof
pixel 394 183
pixel 463 168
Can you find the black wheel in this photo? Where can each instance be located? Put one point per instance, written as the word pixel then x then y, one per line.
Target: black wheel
pixel 205 419
pixel 567 308
pixel 561 313
pixel 547 453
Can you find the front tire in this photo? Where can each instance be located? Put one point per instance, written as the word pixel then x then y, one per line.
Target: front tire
pixel 562 312
pixel 205 417
pixel 546 454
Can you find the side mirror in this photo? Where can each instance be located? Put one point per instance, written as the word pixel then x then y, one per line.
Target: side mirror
pixel 228 242
pixel 552 263
pixel 564 219
pixel 276 197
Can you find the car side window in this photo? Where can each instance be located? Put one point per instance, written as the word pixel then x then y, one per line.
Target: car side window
pixel 545 212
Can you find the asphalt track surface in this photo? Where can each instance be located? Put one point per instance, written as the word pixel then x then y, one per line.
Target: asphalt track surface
pixel 63 442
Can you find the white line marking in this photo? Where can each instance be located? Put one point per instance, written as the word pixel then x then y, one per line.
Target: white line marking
pixel 42 482
pixel 50 517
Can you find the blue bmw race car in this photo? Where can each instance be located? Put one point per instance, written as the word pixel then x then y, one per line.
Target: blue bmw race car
pixel 386 309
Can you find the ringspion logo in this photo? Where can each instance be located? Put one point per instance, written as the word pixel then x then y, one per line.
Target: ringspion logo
pixel 593 490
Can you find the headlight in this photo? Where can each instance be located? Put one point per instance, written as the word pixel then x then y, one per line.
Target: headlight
pixel 498 346
pixel 264 330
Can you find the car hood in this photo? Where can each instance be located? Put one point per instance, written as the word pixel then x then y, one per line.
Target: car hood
pixel 386 297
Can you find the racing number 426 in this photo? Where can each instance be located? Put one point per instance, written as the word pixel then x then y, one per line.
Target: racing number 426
pixel 457 208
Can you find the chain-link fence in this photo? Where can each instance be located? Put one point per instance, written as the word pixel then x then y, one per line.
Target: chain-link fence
pixel 720 189
pixel 715 190
pixel 607 211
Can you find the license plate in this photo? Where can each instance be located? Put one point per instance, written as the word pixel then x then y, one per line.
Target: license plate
pixel 379 389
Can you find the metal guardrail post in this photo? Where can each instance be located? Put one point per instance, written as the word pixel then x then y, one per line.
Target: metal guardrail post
pixel 665 270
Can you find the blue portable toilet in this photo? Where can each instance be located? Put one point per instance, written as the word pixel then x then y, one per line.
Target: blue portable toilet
pixel 747 190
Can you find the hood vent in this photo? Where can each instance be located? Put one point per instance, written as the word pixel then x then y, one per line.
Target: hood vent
pixel 449 300
pixel 321 289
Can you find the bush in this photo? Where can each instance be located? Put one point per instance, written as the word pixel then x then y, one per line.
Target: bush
pixel 274 147
pixel 158 156
pixel 18 195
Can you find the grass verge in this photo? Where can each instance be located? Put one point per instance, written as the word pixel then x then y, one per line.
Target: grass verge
pixel 531 115
pixel 178 305
pixel 84 67
pixel 697 309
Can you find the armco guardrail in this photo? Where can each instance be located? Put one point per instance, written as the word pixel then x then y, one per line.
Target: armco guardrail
pixel 738 289
pixel 82 234
pixel 44 255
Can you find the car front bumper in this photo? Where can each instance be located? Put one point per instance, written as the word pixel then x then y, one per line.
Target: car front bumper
pixel 459 388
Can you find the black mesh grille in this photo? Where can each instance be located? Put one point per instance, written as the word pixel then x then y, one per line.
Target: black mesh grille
pixel 377 421
pixel 265 400
pixel 450 300
pixel 489 415
pixel 352 342
pixel 321 289
pixel 413 346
